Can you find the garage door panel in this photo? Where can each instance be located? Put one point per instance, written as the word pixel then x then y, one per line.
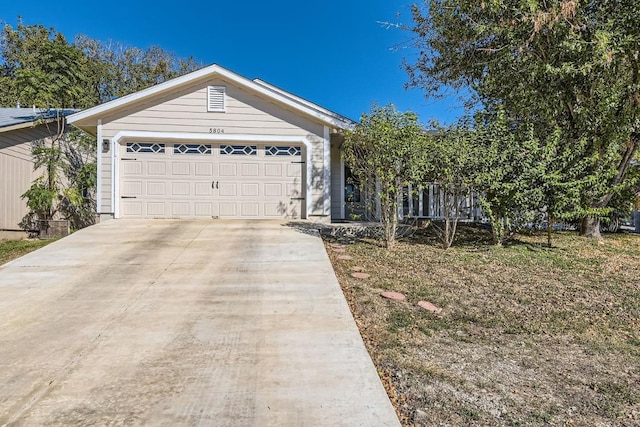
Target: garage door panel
pixel 274 210
pixel 250 209
pixel 250 189
pixel 294 170
pixel 180 188
pixel 208 183
pixel 228 169
pixel 272 189
pixel 203 209
pixel 293 190
pixel 203 189
pixel 204 169
pixel 132 188
pixel 132 209
pixel 131 167
pixel 228 209
pixel 156 209
pixel 180 209
pixel 180 168
pixel 155 188
pixel 273 169
pixel 228 189
pixel 250 170
pixel 156 168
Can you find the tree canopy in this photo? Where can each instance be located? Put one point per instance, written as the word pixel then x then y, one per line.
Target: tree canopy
pixel 382 152
pixel 568 68
pixel 40 67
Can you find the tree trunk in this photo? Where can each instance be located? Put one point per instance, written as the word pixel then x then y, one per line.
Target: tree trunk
pixel 590 227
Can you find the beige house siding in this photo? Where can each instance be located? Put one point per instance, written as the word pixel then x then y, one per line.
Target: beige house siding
pixel 16 173
pixel 185 111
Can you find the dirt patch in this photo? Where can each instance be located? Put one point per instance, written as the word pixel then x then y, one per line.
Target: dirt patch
pixel 527 336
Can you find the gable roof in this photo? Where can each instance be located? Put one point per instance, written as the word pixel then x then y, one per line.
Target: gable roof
pixel 18 118
pixel 259 87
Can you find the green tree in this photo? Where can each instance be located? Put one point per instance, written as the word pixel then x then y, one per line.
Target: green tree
pixel 446 158
pixel 41 68
pixel 381 152
pixel 53 193
pixel 563 65
pixel 504 174
pixel 123 70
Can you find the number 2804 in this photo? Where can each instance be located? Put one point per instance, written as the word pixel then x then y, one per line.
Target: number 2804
pixel 216 130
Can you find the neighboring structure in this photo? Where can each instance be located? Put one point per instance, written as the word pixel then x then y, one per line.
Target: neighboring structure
pixel 215 144
pixel 19 128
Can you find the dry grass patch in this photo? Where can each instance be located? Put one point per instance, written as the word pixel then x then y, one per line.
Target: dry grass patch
pixel 528 335
pixel 12 249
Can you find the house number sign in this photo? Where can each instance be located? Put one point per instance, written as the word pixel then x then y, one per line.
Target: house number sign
pixel 216 130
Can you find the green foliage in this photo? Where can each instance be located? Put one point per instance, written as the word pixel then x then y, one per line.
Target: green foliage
pixel 41 68
pixel 65 189
pixel 122 70
pixel 568 69
pixel 447 159
pixel 503 174
pixel 381 152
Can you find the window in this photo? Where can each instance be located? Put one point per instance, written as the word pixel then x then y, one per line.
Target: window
pixel 282 151
pixel 216 98
pixel 192 149
pixel 247 150
pixel 352 187
pixel 145 147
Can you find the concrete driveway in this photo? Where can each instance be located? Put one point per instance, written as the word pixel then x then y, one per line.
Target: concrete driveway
pixel 222 323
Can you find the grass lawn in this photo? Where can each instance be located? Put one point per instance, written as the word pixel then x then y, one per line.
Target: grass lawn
pixel 527 336
pixel 12 249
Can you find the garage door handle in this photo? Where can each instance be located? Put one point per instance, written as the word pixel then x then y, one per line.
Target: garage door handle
pixel 128 197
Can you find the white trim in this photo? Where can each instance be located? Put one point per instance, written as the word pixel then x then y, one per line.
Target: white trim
pixel 342 188
pixel 326 173
pixel 207 73
pixel 123 136
pixel 99 167
pixel 115 177
pixel 305 102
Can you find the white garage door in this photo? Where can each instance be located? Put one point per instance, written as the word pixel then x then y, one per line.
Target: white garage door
pixel 185 180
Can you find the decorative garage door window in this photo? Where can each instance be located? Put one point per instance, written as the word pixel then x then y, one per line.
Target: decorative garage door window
pixel 145 147
pixel 247 150
pixel 271 150
pixel 192 149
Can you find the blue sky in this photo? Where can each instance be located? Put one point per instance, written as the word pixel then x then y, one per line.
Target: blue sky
pixel 334 53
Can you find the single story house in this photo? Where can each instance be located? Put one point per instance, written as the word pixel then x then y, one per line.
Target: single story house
pixel 215 144
pixel 19 129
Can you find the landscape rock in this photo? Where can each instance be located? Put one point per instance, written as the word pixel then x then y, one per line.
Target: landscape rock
pixel 360 275
pixel 429 307
pixel 396 296
pixel 345 257
pixel 357 268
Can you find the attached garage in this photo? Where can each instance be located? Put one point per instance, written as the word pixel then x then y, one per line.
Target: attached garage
pixel 204 180
pixel 213 144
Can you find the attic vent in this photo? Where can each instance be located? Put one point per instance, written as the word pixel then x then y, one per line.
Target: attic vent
pixel 215 98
